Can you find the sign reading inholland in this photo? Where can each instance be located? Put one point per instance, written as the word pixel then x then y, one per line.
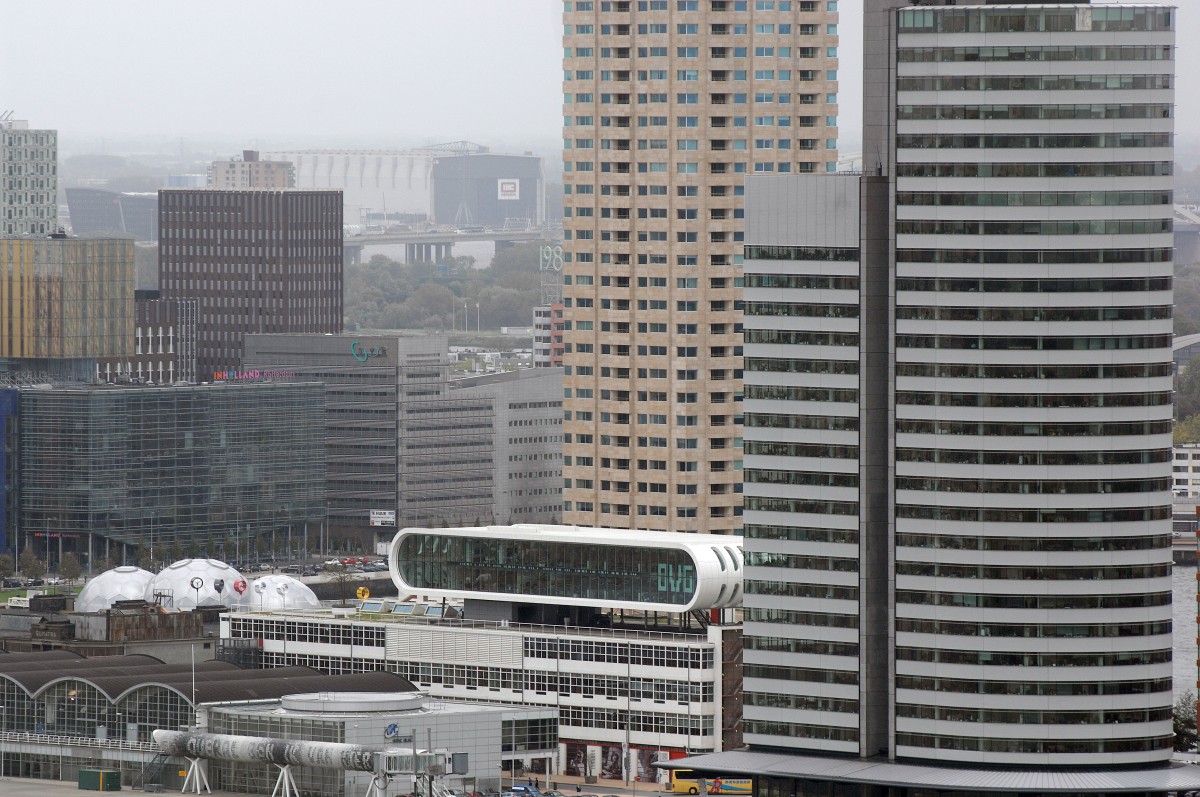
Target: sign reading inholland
pixel 362 353
pixel 231 375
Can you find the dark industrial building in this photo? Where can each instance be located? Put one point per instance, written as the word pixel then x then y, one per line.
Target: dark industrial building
pixel 255 261
pixel 487 190
pixel 104 470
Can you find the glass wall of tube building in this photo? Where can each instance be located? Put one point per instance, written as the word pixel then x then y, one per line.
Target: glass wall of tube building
pixel 155 473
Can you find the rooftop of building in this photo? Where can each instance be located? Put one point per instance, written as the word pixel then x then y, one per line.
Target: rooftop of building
pixel 1177 777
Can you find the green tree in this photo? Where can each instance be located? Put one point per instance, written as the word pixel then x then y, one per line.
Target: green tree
pixel 1187 430
pixel 7 565
pixel 1187 391
pixel 144 559
pixel 70 568
pixel 176 550
pixel 31 566
pixel 1184 719
pixel 341 580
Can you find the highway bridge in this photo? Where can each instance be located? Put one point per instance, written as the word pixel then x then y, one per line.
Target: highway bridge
pixel 422 246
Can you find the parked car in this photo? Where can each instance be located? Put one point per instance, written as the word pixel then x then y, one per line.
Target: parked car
pixel 333 562
pixel 293 570
pixel 310 571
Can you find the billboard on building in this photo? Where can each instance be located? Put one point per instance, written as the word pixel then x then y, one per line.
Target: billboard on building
pixel 383 517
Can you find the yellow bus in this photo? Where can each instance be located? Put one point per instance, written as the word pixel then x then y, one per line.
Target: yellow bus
pixel 686 781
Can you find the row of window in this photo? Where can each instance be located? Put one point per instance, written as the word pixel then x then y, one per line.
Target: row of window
pixel 1035 313
pixel 1027 457
pixel 1033 630
pixel 1031 227
pixel 1034 141
pixel 801 393
pixel 1034 82
pixel 792 589
pixel 1027 688
pixel 1031 371
pixel 801 702
pixel 800 534
pixel 1023 429
pixel 971 514
pixel 1051 169
pixel 975 600
pixel 795 618
pixel 1039 256
pixel 1039 343
pixel 1024 716
pixel 1020 20
pixel 809 647
pixel 1026 745
pixel 798 281
pixel 821 675
pixel 1020 199
pixel 1041 544
pixel 1033 400
pixel 801 338
pixel 914 113
pixel 834 564
pixel 833 423
pixel 1039 573
pixel 1019 53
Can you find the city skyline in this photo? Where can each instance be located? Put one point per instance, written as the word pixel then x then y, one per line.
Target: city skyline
pixel 527 76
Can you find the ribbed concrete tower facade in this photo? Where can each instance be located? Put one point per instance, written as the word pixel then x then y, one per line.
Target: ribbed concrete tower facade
pixel 668 106
pixel 958 405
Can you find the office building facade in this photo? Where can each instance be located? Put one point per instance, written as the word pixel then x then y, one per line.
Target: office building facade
pixel 958 418
pixel 29 180
pixel 104 470
pixel 668 106
pixel 66 298
pixel 402 450
pixel 255 261
pixel 527 450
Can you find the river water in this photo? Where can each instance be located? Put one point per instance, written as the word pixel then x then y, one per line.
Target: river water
pixel 1183 582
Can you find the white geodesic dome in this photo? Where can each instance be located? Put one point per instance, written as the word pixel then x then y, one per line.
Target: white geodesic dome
pixel 189 583
pixel 126 583
pixel 279 592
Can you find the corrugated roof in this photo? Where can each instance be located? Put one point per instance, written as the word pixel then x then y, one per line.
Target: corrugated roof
pixel 215 681
pixel 880 772
pixel 34 678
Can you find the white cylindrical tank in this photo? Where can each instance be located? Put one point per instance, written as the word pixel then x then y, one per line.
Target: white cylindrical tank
pixel 225 747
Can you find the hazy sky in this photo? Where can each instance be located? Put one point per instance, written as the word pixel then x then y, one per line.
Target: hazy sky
pixel 371 72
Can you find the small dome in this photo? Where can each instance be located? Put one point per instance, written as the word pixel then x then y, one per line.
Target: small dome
pixel 279 592
pixel 189 583
pixel 125 583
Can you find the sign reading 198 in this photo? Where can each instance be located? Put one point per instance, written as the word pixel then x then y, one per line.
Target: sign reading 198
pixel 679 579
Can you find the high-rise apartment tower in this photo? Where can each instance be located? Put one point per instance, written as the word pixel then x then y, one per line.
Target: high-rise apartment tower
pixel 668 106
pixel 29 180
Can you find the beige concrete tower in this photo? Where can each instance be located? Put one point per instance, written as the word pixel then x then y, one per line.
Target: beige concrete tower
pixel 668 105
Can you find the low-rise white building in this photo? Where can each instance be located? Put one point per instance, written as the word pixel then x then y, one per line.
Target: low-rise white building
pixel 629 636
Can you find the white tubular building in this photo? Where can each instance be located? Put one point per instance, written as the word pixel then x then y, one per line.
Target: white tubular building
pixel 573 566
